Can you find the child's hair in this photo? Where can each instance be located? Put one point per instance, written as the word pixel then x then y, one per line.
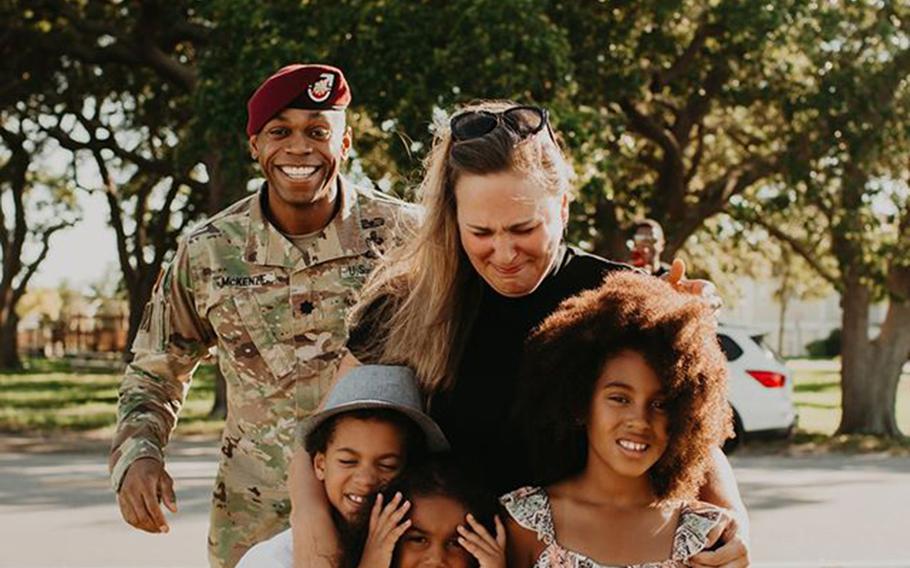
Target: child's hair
pixel 445 476
pixel 437 476
pixel 674 332
pixel 415 442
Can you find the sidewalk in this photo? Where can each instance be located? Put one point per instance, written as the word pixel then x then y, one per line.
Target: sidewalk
pixel 58 510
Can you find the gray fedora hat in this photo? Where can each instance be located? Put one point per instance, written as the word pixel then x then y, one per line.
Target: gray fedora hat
pixel 378 386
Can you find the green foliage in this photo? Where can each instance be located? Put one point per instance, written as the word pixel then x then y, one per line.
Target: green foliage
pixel 847 113
pixel 825 348
pixel 399 70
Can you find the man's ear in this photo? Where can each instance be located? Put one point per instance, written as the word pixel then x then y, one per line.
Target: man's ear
pixel 346 141
pixel 319 466
pixel 564 209
pixel 254 146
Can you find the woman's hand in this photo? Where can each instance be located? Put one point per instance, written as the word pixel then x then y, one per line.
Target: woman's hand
pixel 703 288
pixel 490 552
pixel 387 524
pixel 724 547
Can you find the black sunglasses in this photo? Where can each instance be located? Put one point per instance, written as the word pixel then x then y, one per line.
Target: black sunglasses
pixel 525 121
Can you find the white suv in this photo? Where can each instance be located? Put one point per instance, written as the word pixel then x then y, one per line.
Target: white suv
pixel 760 386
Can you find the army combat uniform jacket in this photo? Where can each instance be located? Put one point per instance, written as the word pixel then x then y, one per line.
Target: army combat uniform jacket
pixel 277 317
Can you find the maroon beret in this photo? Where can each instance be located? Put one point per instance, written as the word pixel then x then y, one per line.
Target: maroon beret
pixel 305 86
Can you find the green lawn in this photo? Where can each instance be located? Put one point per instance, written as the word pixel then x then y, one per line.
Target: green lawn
pixel 817 395
pixel 49 397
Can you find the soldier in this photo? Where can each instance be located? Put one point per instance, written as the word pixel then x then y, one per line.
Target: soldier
pixel 268 281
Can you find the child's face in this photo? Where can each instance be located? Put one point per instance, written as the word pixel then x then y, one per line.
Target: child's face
pixel 627 421
pixel 361 457
pixel 432 539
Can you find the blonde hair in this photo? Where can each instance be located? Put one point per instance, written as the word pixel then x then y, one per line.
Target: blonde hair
pixel 420 302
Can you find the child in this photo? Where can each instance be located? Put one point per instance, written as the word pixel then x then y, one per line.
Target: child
pixel 623 402
pixel 450 522
pixel 370 427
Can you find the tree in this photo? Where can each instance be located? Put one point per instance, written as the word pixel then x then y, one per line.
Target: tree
pixel 676 107
pixel 32 208
pixel 849 184
pixel 120 105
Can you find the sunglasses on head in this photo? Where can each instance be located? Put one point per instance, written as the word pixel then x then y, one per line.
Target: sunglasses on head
pixel 524 121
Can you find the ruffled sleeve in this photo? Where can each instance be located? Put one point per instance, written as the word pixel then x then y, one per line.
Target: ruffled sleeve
pixel 530 508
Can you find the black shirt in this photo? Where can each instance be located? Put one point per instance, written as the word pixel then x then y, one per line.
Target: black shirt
pixel 475 413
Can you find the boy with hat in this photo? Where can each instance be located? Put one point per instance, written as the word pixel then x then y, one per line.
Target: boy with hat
pixel 371 427
pixel 268 282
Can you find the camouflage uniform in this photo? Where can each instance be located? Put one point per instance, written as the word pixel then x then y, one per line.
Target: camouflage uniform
pixel 277 316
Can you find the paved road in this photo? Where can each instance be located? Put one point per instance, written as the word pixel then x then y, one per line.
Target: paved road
pixel 56 510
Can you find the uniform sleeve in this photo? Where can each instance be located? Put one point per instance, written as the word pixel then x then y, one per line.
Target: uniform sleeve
pixel 171 340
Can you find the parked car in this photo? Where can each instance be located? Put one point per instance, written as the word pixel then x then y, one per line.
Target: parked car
pixel 760 387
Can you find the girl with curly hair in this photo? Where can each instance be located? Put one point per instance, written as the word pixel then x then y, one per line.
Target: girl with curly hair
pixel 624 402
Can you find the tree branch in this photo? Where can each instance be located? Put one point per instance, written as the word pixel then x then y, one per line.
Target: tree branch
pixel 116 220
pixel 698 155
pixel 649 128
pixel 33 266
pixel 801 249
pixel 147 30
pixel 699 102
pixel 687 58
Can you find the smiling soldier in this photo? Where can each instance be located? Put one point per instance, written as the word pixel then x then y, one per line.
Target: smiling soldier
pixel 268 282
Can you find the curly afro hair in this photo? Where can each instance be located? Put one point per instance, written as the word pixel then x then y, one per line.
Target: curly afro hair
pixel 674 332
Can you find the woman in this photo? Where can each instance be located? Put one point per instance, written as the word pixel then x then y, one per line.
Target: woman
pixel 457 302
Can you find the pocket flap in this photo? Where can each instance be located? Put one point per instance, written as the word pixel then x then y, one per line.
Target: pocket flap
pixel 279 356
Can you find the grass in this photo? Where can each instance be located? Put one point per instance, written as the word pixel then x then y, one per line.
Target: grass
pixel 817 395
pixel 49 397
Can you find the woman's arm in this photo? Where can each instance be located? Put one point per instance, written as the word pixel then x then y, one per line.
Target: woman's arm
pixel 316 542
pixel 720 489
pixel 315 538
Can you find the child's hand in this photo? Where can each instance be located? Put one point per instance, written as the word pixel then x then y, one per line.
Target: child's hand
pixel 386 527
pixel 490 552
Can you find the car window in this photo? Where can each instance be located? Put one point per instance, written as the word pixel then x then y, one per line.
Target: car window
pixel 730 348
pixel 768 351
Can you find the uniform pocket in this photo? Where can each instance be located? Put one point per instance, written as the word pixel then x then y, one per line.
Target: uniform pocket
pixel 249 339
pixel 278 355
pixel 154 329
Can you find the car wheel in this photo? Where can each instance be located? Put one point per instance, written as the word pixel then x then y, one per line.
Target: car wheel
pixel 738 434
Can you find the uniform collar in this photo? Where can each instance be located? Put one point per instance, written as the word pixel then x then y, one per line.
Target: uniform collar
pixel 342 237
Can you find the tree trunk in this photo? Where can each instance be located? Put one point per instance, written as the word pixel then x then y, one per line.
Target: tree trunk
pixel 9 343
pixel 871 370
pixel 782 326
pixel 216 197
pixel 138 298
pixel 784 299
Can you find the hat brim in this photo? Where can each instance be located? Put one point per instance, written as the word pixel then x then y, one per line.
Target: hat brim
pixel 436 440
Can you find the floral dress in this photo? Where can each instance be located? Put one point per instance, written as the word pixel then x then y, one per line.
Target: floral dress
pixel 530 508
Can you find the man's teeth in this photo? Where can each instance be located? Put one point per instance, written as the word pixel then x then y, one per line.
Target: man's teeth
pixel 356 498
pixel 633 446
pixel 300 172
